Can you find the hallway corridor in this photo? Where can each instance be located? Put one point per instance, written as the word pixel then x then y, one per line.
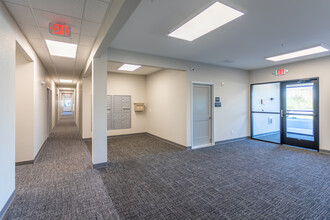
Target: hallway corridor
pixel 61 184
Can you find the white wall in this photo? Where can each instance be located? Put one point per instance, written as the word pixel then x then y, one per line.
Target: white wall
pixel 24 147
pixel 135 86
pixel 301 70
pixel 10 35
pixel 167 105
pixel 234 95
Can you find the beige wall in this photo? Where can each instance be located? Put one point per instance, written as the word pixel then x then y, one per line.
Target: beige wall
pixel 302 70
pixel 234 95
pixel 54 118
pixel 135 86
pixel 40 104
pixel 24 147
pixel 167 105
pixel 87 107
pixel 231 120
pixel 78 105
pixel 10 37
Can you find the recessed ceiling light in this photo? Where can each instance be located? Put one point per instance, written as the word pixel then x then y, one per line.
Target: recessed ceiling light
pixel 61 49
pixel 65 80
pixel 129 67
pixel 208 20
pixel 300 53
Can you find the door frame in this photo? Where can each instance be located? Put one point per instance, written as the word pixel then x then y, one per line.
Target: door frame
pixel 192 113
pixel 316 136
pixel 316 123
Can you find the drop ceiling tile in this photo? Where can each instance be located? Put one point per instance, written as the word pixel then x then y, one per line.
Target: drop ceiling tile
pixel 86 41
pixel 63 61
pixel 44 18
pixel 38 44
pixel 21 14
pixel 95 10
pixel 30 31
pixel 90 29
pixel 74 39
pixel 19 2
pixel 72 8
pixel 83 52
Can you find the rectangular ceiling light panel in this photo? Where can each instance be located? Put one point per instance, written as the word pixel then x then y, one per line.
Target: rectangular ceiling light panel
pixel 129 67
pixel 61 49
pixel 208 20
pixel 65 81
pixel 300 53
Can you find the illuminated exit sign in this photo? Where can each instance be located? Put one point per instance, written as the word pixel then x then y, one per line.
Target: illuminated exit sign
pixel 280 72
pixel 60 29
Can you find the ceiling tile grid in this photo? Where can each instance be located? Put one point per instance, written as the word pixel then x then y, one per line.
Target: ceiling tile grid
pixel 85 18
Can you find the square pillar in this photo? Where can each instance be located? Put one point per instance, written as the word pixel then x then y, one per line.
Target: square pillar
pixel 99 112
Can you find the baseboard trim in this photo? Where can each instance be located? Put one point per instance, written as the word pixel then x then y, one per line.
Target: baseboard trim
pixel 232 140
pixel 5 208
pixel 145 133
pixel 24 163
pixel 127 135
pixel 167 141
pixel 324 151
pixel 41 149
pixel 100 165
pixel 117 136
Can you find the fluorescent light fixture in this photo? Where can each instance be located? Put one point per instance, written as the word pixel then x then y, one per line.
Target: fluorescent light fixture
pixel 300 53
pixel 61 49
pixel 65 80
pixel 208 20
pixel 129 67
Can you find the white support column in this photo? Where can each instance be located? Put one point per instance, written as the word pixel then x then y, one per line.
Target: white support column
pixel 99 112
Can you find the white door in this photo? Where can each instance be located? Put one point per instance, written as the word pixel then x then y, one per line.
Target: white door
pixel 202 115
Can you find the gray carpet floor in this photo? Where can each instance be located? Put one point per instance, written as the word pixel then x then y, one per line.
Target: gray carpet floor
pixel 150 179
pixel 61 184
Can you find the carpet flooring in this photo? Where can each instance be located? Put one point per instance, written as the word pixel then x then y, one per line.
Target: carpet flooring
pixel 150 179
pixel 61 184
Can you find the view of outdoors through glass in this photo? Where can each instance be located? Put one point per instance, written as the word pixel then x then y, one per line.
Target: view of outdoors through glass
pixel 300 111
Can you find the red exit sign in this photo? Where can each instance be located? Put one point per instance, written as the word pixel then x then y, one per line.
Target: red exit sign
pixel 279 72
pixel 60 29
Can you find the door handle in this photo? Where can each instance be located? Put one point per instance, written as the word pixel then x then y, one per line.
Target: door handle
pixel 282 113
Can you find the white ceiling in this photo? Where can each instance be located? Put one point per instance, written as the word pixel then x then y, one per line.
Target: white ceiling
pixel 85 18
pixel 143 70
pixel 268 28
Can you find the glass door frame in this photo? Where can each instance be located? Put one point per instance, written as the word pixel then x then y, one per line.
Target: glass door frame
pixel 294 141
pixel 315 104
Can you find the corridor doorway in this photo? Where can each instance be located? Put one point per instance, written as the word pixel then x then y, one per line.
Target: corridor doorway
pixel 67 104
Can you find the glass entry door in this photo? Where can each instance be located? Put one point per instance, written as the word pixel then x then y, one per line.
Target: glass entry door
pixel 286 113
pixel 299 113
